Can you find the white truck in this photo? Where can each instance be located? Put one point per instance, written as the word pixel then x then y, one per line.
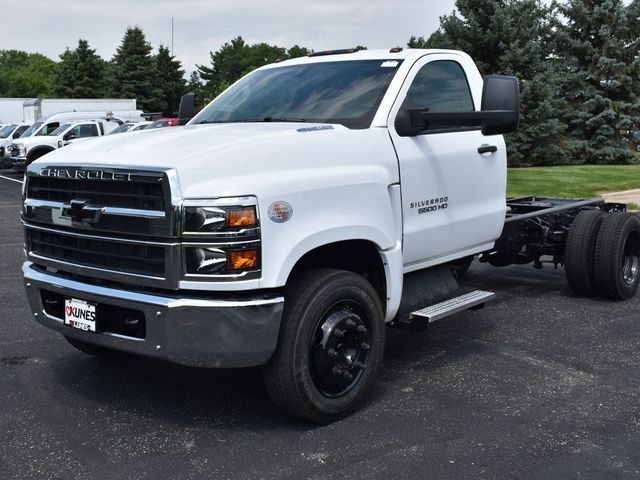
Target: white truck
pixel 309 205
pixel 36 141
pixel 8 134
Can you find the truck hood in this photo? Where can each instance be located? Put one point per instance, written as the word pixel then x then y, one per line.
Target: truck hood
pixel 225 154
pixel 29 142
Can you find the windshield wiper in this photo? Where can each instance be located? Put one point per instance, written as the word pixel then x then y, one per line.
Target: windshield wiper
pixel 257 120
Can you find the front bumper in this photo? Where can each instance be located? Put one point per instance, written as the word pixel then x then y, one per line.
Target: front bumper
pixel 194 331
pixel 18 162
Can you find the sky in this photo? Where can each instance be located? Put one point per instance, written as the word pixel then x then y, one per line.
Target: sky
pixel 48 27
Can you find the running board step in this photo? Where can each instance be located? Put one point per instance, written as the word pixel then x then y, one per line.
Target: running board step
pixel 472 300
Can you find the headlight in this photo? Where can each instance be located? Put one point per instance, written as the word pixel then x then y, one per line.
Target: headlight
pixel 22 150
pixel 221 238
pixel 218 219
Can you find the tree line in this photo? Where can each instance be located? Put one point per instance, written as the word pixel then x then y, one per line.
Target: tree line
pixel 578 63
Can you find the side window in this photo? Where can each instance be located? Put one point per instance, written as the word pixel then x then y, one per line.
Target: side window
pixel 87 130
pixel 74 132
pixel 440 86
pixel 48 128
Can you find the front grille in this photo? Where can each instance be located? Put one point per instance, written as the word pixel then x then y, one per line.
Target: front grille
pixel 98 253
pixel 141 194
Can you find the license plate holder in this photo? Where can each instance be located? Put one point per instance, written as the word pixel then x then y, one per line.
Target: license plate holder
pixel 80 314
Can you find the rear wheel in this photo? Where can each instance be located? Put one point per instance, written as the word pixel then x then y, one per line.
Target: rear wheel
pixel 330 346
pixel 617 256
pixel 579 252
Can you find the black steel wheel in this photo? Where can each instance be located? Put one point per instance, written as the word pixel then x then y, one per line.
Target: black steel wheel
pixel 330 346
pixel 580 251
pixel 617 256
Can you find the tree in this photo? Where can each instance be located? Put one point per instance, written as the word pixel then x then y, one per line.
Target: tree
pixel 170 78
pixel 25 74
pixel 81 73
pixel 236 58
pixel 512 37
pixel 598 49
pixel 134 73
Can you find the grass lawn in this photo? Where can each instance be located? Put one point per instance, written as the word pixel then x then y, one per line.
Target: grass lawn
pixel 582 181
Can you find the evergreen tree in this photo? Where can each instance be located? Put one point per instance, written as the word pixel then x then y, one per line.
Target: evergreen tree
pixel 170 78
pixel 512 37
pixel 600 57
pixel 194 84
pixel 134 73
pixel 236 58
pixel 81 73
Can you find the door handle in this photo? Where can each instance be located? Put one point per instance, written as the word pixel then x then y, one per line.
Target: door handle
pixel 487 149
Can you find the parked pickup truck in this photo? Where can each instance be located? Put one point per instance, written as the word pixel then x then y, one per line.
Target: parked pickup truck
pixel 25 150
pixel 311 204
pixel 8 134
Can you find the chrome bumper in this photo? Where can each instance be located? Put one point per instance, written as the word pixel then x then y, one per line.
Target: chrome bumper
pixel 218 333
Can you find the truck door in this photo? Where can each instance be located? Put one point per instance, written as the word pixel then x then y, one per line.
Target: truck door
pixel 453 196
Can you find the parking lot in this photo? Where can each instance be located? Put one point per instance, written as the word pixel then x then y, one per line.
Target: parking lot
pixel 540 384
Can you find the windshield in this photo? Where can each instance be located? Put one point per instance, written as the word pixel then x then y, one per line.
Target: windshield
pixel 122 128
pixel 32 129
pixel 159 124
pixel 60 130
pixel 7 130
pixel 347 93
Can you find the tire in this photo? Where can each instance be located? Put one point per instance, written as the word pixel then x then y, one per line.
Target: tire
pixel 321 375
pixel 36 155
pixel 90 349
pixel 580 251
pixel 617 256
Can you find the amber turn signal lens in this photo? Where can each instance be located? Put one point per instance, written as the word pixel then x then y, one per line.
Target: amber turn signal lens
pixel 242 260
pixel 241 217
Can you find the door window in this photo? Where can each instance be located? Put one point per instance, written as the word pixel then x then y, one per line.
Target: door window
pixel 440 86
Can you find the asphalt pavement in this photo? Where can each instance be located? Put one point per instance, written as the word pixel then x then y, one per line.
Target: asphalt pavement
pixel 539 384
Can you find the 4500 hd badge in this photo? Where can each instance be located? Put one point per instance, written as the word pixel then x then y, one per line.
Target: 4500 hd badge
pixel 430 204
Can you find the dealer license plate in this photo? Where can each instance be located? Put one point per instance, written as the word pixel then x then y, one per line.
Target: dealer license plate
pixel 80 314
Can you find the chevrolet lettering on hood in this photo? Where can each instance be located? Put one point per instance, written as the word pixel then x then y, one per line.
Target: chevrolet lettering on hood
pixel 86 174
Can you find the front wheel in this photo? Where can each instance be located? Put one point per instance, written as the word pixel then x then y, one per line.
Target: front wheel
pixel 330 346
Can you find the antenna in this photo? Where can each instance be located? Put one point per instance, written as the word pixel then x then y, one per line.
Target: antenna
pixel 172 36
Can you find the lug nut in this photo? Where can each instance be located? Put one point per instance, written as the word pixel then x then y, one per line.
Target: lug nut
pixel 336 371
pixel 332 353
pixel 362 328
pixel 365 346
pixel 350 323
pixel 338 333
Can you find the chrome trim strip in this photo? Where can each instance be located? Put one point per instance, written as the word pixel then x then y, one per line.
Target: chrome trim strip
pixel 54 262
pixel 99 237
pixel 125 212
pixel 161 301
pixel 221 245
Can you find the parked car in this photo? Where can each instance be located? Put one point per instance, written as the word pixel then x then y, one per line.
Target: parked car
pixel 7 135
pixel 131 127
pixel 26 150
pixel 164 122
pixel 46 125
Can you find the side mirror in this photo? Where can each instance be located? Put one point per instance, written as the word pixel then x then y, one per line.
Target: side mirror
pixel 501 103
pixel 187 108
pixel 500 112
pixel 69 136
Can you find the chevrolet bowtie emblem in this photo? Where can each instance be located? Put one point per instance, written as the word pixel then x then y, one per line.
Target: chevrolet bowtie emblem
pixel 80 212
